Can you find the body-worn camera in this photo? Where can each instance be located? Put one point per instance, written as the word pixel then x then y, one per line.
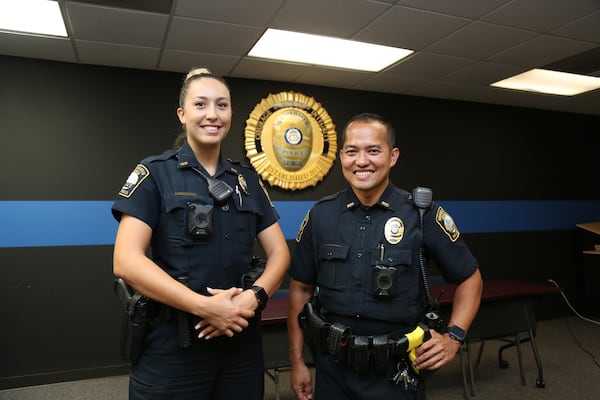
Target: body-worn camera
pixel 199 221
pixel 383 281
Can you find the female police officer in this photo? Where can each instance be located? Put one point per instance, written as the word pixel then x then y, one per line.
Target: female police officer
pixel 200 215
pixel 361 247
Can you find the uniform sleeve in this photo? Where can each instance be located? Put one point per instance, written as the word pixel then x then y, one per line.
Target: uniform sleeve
pixel 139 197
pixel 303 267
pixel 268 214
pixel 445 246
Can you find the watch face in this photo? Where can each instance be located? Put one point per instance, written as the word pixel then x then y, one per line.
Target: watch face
pixel 456 333
pixel 261 296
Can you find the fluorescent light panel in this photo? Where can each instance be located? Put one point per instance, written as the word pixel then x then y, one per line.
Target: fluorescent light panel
pixel 321 50
pixel 32 16
pixel 550 82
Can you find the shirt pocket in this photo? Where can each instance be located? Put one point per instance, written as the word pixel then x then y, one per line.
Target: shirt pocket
pixel 178 212
pixel 245 220
pixel 334 272
pixel 399 265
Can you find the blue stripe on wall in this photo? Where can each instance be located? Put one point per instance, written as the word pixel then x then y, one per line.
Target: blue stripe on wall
pixel 89 223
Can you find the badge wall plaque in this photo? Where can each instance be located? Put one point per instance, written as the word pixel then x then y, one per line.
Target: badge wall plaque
pixel 290 140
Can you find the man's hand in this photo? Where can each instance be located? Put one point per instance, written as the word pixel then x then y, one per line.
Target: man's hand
pixel 436 352
pixel 300 381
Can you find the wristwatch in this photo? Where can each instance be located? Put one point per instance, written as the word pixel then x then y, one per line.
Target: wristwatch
pixel 261 297
pixel 457 333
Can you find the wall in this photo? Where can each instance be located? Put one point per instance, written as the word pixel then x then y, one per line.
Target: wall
pixel 516 181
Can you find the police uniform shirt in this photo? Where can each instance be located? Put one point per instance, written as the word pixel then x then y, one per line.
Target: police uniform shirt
pixel 160 192
pixel 340 243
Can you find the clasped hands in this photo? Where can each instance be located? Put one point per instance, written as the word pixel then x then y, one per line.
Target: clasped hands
pixel 226 313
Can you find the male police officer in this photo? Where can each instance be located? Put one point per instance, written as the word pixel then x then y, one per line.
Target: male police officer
pixel 363 249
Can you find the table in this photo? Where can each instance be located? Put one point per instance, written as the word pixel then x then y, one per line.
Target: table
pixel 505 311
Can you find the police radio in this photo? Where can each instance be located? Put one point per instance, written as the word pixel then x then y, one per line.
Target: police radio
pixel 422 198
pixel 218 189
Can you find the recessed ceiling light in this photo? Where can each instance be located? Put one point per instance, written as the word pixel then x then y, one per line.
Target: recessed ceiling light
pixel 550 82
pixel 322 50
pixel 32 16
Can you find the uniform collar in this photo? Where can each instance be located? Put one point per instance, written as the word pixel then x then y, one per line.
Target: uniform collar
pixel 386 201
pixel 187 159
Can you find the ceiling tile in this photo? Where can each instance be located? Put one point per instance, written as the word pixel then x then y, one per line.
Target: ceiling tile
pixel 48 48
pixel 338 18
pixel 480 40
pixel 90 23
pixel 461 8
pixel 427 65
pixel 255 12
pixel 586 28
pixel 211 37
pixel 536 15
pixel 117 55
pixel 540 51
pixel 409 28
pixel 274 71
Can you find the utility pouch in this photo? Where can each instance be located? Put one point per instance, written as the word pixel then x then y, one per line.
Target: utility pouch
pixel 336 338
pixel 358 356
pixel 381 353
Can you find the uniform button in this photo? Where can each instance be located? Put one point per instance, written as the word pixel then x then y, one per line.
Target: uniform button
pixel 357 316
pixel 227 237
pixel 359 255
pixel 390 259
pixel 362 228
pixel 368 217
pixel 329 253
pixel 225 207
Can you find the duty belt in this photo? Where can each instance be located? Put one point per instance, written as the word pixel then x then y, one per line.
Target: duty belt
pixel 363 353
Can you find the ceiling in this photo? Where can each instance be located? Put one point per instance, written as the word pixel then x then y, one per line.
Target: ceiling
pixel 461 46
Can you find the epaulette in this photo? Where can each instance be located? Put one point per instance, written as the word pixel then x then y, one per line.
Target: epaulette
pixel 330 197
pixel 245 165
pixel 164 156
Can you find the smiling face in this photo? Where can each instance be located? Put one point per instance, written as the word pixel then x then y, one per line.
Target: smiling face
pixel 206 112
pixel 366 159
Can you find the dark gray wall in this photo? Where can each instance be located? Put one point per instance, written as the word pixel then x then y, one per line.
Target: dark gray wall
pixel 74 132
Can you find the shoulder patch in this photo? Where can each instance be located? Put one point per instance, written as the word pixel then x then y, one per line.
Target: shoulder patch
pixel 445 221
pixel 140 172
pixel 302 226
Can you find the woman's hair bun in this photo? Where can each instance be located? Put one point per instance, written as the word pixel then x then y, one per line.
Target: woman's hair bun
pixel 198 71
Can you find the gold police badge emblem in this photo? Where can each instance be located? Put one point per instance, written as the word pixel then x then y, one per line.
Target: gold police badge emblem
pixel 394 230
pixel 290 140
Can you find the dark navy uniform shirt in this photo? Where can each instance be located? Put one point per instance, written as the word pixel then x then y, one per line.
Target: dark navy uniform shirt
pixel 340 243
pixel 159 192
